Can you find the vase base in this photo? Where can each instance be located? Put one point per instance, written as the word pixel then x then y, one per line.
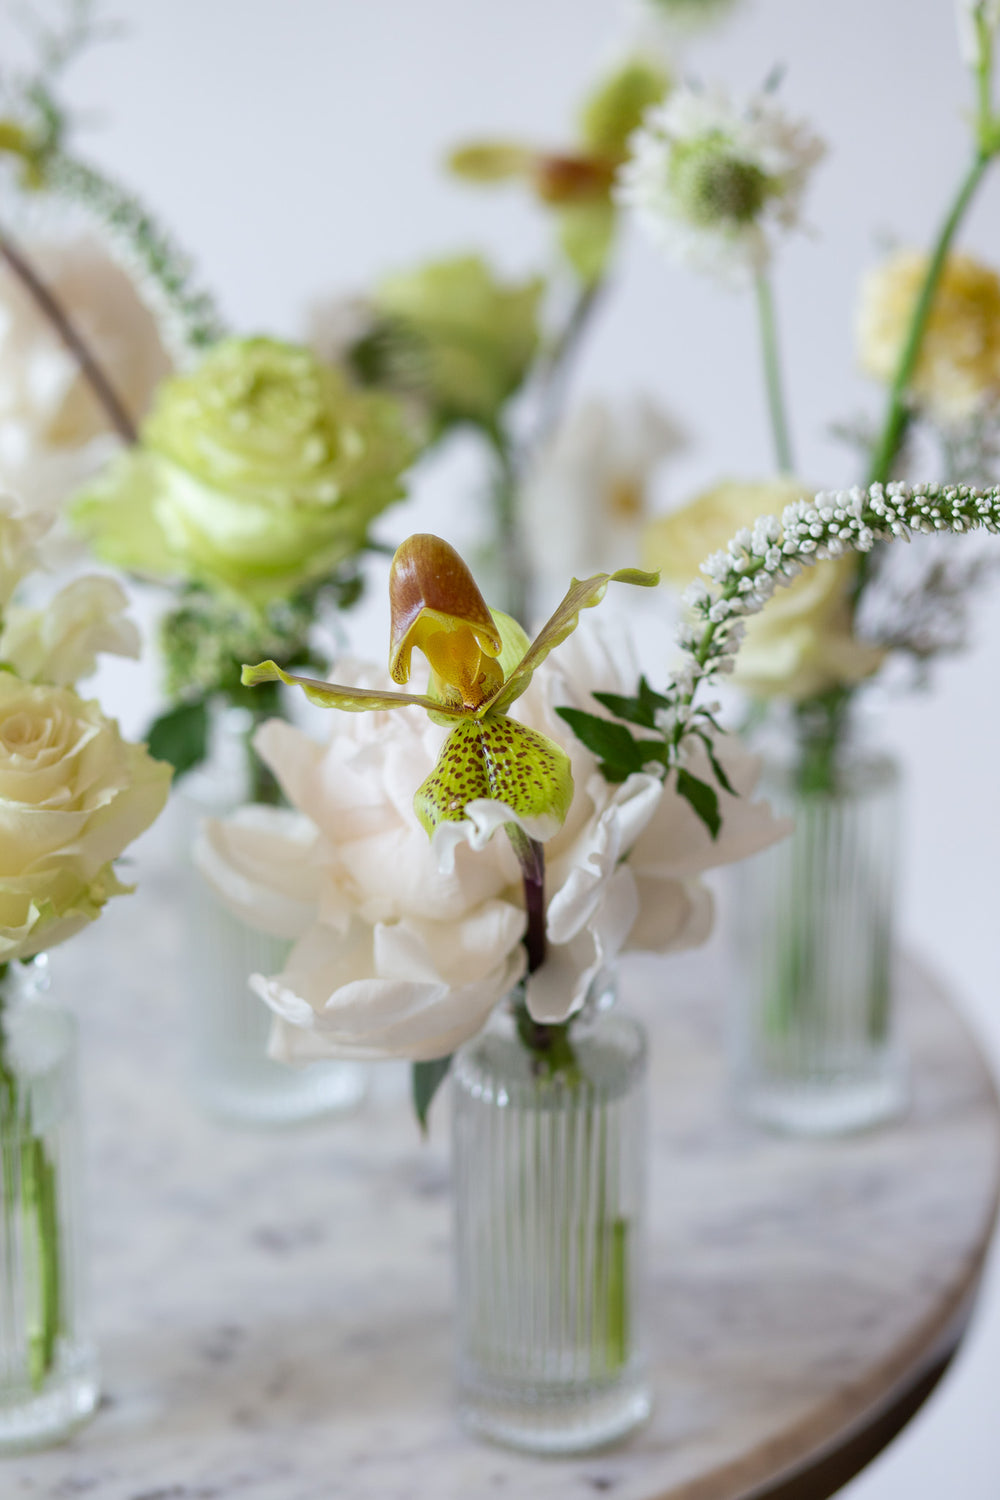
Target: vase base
pixel 826 1107
pixel 270 1095
pixel 69 1398
pixel 560 1422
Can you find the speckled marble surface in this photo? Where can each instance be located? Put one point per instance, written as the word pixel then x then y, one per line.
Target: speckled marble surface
pixel 273 1309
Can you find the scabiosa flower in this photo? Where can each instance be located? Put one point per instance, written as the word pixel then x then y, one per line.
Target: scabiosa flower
pixel 711 183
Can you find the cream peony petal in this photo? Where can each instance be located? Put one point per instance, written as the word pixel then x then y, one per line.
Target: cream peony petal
pixel 673 914
pixel 559 988
pixel 596 854
pixel 262 862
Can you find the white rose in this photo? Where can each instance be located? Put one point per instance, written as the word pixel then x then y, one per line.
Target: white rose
pixel 73 794
pixel 53 431
pixel 59 643
pixel 393 958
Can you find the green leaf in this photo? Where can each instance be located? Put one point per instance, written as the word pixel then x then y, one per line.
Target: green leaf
pixel 427 1078
pixel 702 797
pixel 502 761
pixel 611 742
pixel 180 736
pixel 716 764
pixel 632 710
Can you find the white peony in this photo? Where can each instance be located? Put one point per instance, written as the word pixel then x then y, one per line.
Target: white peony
pixel 403 947
pixel 711 183
pixel 53 432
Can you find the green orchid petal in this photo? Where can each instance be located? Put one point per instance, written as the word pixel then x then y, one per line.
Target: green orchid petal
pixel 583 594
pixel 498 759
pixel 351 699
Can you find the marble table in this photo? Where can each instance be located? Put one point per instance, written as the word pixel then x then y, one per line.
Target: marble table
pixel 274 1308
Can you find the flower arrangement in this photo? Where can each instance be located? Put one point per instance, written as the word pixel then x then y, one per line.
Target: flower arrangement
pixel 73 794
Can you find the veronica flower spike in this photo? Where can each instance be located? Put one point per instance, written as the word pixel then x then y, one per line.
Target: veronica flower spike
pixel 491 770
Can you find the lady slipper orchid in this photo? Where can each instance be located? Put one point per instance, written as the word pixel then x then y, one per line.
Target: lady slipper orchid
pixel 481 662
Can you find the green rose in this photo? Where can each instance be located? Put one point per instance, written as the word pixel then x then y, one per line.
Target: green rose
pixel 466 340
pixel 257 473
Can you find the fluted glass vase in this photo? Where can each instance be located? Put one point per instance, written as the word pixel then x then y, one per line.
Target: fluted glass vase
pixel 814 1043
pixel 234 1077
pixel 48 1367
pixel 550 1185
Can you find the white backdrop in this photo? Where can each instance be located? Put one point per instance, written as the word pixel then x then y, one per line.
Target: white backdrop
pixel 294 145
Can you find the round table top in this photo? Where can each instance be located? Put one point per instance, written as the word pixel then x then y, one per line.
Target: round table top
pixel 273 1308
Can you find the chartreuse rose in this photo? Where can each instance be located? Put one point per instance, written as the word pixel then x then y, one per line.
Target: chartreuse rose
pixel 257 473
pixel 481 662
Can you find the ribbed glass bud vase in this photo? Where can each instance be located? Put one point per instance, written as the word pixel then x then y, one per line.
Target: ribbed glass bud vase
pixel 48 1367
pixel 550 1186
pixel 814 1046
pixel 234 1077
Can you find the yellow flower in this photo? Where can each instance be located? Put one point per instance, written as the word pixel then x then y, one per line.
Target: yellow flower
pixel 959 366
pixel 801 644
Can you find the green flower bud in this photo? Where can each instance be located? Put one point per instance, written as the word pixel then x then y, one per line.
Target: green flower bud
pixel 714 186
pixel 257 473
pixel 615 108
pixel 469 338
pixel 490 161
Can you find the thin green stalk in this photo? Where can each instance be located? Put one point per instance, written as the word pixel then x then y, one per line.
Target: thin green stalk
pixel 558 370
pixel 898 416
pixel 768 326
pixel 507 520
pixel 30 1193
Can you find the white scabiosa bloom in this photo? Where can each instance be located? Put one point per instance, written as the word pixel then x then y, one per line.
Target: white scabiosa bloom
pixel 711 183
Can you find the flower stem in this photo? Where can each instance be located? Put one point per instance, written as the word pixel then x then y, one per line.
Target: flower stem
pixel 898 416
pixel 510 543
pixel 768 326
pixel 550 1045
pixel 30 1193
pixel 91 369
pixel 558 371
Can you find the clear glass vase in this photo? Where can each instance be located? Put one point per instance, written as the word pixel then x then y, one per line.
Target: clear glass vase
pixel 550 1186
pixel 814 1049
pixel 234 1077
pixel 49 1381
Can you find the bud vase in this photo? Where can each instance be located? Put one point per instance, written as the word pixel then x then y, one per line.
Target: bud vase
pixel 814 1049
pixel 48 1368
pixel 550 1186
pixel 234 1078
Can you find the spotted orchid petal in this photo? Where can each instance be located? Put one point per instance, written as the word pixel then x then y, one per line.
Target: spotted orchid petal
pixel 503 761
pixel 351 699
pixel 583 594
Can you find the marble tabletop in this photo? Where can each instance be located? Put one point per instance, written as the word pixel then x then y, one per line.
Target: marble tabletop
pixel 273 1309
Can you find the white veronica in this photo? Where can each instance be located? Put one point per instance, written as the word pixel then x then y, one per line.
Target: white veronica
pixel 403 947
pixel 711 183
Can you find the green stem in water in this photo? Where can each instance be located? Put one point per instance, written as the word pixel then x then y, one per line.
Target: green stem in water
pixel 30 1194
pixel 767 323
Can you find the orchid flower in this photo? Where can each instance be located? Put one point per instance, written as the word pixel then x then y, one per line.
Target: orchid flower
pixel 481 662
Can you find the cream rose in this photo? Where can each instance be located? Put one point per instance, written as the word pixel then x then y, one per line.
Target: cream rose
pixel 73 794
pixel 801 644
